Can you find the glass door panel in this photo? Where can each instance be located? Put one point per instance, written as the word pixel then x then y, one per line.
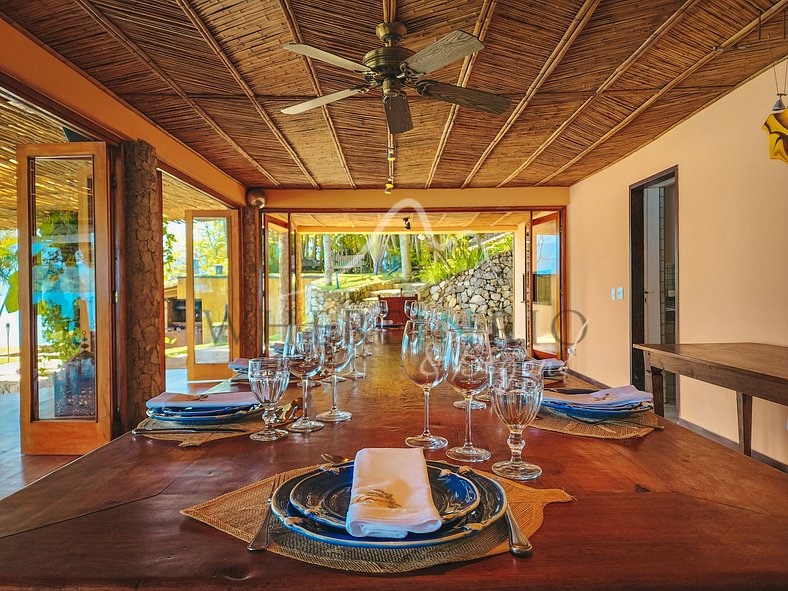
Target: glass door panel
pixel 212 340
pixel 276 254
pixel 64 297
pixel 546 286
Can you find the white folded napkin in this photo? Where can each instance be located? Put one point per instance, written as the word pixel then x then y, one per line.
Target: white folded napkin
pixel 612 397
pixel 204 401
pixel 551 364
pixel 240 365
pixel 391 494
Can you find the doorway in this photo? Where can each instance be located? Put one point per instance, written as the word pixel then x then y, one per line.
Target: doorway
pixel 654 272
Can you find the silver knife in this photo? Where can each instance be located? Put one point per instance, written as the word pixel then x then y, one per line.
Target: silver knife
pixel 145 430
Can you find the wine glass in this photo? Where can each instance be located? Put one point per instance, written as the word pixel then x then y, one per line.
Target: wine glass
pixel 305 355
pixel 516 389
pixel 467 359
pixel 383 310
pixel 467 320
pixel 412 309
pixel 268 378
pixel 370 311
pixel 355 318
pixel 334 335
pixel 423 349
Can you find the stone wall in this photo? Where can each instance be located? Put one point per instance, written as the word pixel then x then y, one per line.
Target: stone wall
pixel 330 301
pixel 485 289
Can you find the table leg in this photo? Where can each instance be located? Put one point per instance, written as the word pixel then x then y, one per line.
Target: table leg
pixel 655 383
pixel 744 410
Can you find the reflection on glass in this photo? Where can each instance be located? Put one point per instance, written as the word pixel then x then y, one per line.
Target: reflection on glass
pixel 63 288
pixel 278 271
pixel 211 291
pixel 546 295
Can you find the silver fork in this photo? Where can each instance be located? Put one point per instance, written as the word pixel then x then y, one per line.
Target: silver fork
pixel 519 544
pixel 262 538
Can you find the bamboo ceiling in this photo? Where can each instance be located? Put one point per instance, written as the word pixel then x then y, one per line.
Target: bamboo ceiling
pixel 590 81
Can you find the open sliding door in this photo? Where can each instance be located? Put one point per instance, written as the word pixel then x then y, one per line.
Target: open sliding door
pixel 64 294
pixel 212 293
pixel 547 287
pixel 279 274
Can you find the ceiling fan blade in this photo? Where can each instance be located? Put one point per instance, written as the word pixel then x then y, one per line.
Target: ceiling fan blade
pixel 465 97
pixel 324 100
pixel 324 56
pixel 454 46
pixel 397 113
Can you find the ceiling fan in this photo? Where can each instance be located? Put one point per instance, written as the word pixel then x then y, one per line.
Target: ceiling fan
pixel 392 68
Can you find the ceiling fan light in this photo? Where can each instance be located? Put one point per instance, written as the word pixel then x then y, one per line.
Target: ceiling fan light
pixel 388 190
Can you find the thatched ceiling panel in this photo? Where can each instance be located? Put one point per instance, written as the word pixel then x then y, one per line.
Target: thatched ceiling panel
pixel 516 30
pixel 411 167
pixel 71 32
pixel 310 137
pixel 179 197
pixel 246 127
pixel 362 133
pixel 175 116
pixel 615 30
pixel 164 32
pixel 252 35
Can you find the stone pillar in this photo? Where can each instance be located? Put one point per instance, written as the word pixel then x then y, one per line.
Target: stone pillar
pixel 251 330
pixel 143 279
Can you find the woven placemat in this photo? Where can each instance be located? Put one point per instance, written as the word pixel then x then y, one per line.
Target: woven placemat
pixel 247 425
pixel 241 512
pixel 638 425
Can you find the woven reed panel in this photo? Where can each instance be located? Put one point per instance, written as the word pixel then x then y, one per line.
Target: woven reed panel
pixel 415 148
pixel 178 196
pixel 251 35
pixel 310 137
pixel 519 41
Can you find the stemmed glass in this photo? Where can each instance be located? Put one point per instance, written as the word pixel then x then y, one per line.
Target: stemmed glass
pixel 467 320
pixel 334 335
pixel 412 309
pixel 305 355
pixel 516 390
pixel 355 318
pixel 268 378
pixel 383 310
pixel 370 311
pixel 467 359
pixel 423 349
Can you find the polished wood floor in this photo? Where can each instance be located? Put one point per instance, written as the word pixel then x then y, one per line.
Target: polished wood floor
pixel 17 470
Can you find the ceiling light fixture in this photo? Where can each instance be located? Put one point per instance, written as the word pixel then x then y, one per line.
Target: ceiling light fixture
pixel 407 223
pixel 390 155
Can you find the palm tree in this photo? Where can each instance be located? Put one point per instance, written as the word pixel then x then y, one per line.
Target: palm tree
pixel 328 263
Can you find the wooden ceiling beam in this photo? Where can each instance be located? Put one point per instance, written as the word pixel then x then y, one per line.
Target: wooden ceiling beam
pixel 472 220
pixel 574 29
pixel 217 49
pixel 713 52
pixel 135 50
pixel 479 30
pixel 617 73
pixel 295 31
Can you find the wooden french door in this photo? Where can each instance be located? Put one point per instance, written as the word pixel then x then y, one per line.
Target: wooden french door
pixel 212 293
pixel 64 293
pixel 279 277
pixel 547 286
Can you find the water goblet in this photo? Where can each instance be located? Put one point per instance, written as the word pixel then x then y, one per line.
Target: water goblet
pixel 335 338
pixel 268 378
pixel 466 360
pixel 516 389
pixel 423 349
pixel 305 355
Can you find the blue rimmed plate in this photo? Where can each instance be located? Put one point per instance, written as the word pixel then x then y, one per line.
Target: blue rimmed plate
pixel 325 496
pixel 207 419
pixel 492 504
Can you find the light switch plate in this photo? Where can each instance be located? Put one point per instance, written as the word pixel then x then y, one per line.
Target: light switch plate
pixel 620 293
pixel 613 294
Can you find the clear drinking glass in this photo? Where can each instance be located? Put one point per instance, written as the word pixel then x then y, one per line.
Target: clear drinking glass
pixel 516 389
pixel 467 359
pixel 268 378
pixel 370 312
pixel 355 318
pixel 383 310
pixel 423 349
pixel 305 354
pixel 334 335
pixel 412 309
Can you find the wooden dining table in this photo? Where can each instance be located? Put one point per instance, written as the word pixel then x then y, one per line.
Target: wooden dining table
pixel 671 510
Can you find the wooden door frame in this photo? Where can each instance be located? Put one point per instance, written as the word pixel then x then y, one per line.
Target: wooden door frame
pixel 198 371
pixel 560 217
pixel 66 436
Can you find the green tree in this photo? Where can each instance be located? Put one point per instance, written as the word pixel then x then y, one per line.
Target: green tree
pixel 210 246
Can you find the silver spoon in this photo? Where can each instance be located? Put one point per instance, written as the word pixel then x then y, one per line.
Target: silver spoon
pixel 519 544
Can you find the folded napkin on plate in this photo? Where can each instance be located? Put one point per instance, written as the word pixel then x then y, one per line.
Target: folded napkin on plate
pixel 205 401
pixel 551 364
pixel 240 365
pixel 624 396
pixel 391 495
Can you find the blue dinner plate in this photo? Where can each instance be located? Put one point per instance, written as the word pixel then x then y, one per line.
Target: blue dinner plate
pixel 197 411
pixel 202 419
pixel 325 496
pixel 597 413
pixel 492 505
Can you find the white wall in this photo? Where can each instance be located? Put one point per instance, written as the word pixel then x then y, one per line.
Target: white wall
pixel 733 252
